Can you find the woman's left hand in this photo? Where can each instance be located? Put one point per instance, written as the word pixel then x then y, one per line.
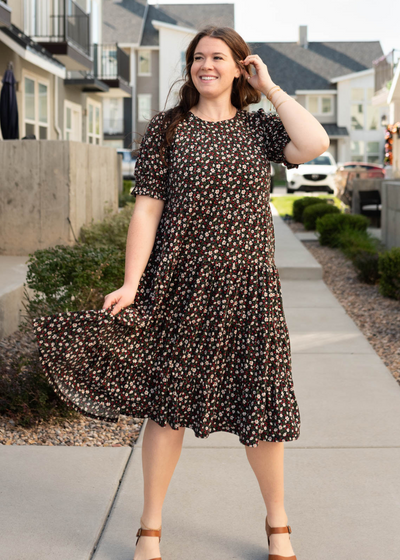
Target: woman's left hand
pixel 261 80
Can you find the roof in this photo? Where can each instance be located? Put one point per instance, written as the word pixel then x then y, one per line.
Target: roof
pixel 194 16
pixel 123 20
pixel 295 67
pixel 335 130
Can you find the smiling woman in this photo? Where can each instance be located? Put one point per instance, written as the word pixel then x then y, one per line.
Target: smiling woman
pixel 196 337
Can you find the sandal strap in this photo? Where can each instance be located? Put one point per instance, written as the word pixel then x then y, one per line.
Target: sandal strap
pixel 148 533
pixel 273 530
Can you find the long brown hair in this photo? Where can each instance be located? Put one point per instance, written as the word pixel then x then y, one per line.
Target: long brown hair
pixel 243 94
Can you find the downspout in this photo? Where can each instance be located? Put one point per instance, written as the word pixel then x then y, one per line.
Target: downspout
pixel 56 127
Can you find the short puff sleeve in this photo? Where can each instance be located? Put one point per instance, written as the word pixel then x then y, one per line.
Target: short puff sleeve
pixel 151 173
pixel 275 136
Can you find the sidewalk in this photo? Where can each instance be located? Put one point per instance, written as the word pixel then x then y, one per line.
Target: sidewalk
pixel 341 476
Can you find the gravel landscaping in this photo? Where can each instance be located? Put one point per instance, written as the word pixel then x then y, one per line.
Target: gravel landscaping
pixel 376 316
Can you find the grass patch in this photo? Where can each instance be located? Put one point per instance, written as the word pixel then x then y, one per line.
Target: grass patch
pixel 284 204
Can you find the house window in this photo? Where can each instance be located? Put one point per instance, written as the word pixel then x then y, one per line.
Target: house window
pixel 373 152
pixel 144 107
pixel 93 123
pixel 72 121
pixel 372 117
pixel 144 63
pixel 357 150
pixel 313 104
pixel 36 108
pixel 357 116
pixel 320 105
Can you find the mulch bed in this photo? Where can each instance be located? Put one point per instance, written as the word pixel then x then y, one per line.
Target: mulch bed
pixel 377 317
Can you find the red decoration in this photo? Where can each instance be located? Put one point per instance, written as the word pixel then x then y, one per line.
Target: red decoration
pixel 391 129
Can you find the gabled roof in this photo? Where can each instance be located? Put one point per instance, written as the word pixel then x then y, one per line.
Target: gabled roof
pixel 193 16
pixel 294 67
pixel 123 20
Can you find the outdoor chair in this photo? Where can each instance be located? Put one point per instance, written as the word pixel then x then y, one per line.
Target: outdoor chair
pixel 370 206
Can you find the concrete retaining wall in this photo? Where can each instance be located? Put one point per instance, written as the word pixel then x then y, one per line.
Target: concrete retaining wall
pixel 46 183
pixel 391 213
pixel 358 185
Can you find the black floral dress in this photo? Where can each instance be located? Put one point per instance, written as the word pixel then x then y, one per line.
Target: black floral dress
pixel 205 343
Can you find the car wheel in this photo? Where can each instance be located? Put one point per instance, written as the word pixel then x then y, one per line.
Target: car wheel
pixel 271 186
pixel 289 190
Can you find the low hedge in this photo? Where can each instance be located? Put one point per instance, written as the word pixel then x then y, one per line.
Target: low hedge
pixel 330 225
pixel 389 268
pixel 367 265
pixel 354 241
pixel 311 213
pixel 300 204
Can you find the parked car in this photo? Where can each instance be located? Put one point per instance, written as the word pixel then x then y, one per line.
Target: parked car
pixel 315 175
pixel 128 163
pixel 350 170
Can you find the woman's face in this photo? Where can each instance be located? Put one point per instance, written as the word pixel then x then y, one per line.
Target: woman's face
pixel 213 68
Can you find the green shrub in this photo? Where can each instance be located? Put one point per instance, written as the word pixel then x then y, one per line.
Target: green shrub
pixel 111 232
pixel 26 395
pixel 367 265
pixel 301 203
pixel 125 197
pixel 329 226
pixel 72 278
pixel 352 241
pixel 389 268
pixel 311 213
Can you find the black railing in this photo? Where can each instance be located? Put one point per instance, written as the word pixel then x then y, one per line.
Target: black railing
pixel 110 62
pixel 61 21
pixel 384 68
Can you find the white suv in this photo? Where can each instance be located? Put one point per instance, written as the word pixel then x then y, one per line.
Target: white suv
pixel 315 175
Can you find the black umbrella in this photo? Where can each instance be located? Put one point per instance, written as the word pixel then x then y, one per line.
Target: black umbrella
pixel 8 106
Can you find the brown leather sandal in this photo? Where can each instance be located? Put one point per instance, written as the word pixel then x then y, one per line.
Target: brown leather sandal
pixel 271 531
pixel 149 533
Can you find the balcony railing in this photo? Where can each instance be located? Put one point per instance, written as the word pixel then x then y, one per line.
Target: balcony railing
pixel 385 67
pixel 59 21
pixel 110 62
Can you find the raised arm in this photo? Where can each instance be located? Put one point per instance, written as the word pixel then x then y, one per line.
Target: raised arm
pixel 308 138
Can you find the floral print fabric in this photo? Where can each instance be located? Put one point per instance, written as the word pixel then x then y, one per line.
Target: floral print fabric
pixel 205 343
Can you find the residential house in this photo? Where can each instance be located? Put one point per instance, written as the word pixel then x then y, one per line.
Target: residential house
pixel 156 37
pixel 64 71
pixel 335 82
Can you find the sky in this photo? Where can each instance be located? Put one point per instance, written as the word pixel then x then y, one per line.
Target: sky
pixel 335 20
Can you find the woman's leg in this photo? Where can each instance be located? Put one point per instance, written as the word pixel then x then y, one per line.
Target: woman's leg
pixel 161 449
pixel 266 461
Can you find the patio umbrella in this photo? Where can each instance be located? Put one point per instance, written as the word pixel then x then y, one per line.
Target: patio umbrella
pixel 8 106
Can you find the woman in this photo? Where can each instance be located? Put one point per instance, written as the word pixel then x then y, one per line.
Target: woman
pixel 196 337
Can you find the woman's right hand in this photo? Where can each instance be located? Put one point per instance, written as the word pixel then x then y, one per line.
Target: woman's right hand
pixel 121 298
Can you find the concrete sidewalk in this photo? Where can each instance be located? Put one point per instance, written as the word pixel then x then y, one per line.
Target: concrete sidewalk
pixel 341 476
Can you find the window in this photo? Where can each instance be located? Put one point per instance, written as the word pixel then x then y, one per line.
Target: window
pixel 93 122
pixel 320 104
pixel 373 152
pixel 372 117
pixel 313 104
pixel 144 63
pixel 144 107
pixel 357 150
pixel 36 108
pixel 357 116
pixel 72 121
